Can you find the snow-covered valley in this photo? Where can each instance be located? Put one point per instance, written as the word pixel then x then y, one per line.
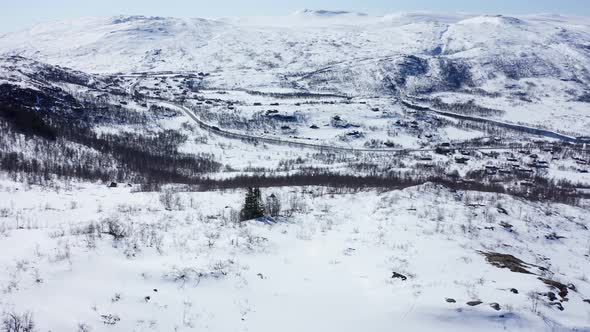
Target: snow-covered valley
pixel 325 170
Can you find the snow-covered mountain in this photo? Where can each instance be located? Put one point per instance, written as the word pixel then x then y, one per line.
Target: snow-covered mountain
pixel 534 68
pixel 470 49
pixel 327 13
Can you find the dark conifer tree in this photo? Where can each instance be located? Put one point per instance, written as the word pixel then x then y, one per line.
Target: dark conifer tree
pixel 253 207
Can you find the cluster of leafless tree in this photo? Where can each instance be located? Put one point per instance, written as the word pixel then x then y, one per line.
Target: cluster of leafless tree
pixel 71 149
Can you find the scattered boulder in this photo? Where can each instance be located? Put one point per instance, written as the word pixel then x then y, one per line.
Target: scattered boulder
pixel 400 276
pixel 474 303
pixel 495 306
pixel 155 290
pixel 450 300
pixel 147 298
pixel 554 236
pixel 349 251
pixel 563 289
pixel 506 226
pixel 558 305
pixel 502 210
pixel 113 185
pixel 514 290
pixel 551 296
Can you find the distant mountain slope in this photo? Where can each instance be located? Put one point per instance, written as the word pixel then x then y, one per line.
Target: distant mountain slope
pixel 50 89
pixel 490 45
pixel 327 13
pixel 535 65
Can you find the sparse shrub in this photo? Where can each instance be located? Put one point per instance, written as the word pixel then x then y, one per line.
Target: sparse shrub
pixel 171 200
pixel 110 319
pixel 295 205
pixel 116 298
pixel 211 236
pixel 4 232
pixel 12 284
pixel 63 251
pixel 184 275
pixel 131 247
pixel 13 322
pixel 252 240
pixel 273 205
pixel 114 227
pixel 5 212
pixel 535 298
pixel 221 268
pixel 82 327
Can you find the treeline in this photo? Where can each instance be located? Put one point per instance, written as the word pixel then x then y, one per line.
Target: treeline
pixel 312 178
pixel 544 190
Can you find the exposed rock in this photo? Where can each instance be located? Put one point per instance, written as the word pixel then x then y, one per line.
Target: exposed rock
pixel 554 236
pixel 474 303
pixel 505 261
pixel 450 300
pixel 495 306
pixel 502 210
pixel 506 226
pixel 400 276
pixel 563 289
pixel 558 305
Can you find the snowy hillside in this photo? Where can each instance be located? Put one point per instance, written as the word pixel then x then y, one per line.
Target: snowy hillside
pixel 421 259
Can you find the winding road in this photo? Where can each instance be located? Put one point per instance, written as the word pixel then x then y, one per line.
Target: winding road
pixel 260 139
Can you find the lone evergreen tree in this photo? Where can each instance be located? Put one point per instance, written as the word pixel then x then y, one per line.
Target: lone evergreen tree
pixel 252 205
